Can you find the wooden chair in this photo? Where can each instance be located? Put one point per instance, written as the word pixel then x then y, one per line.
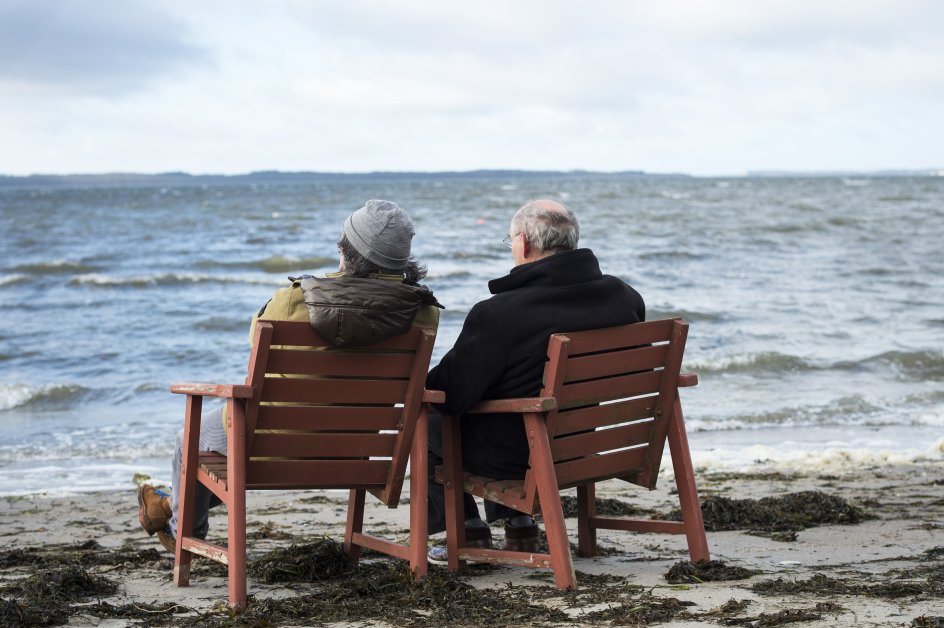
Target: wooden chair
pixel 608 405
pixel 312 416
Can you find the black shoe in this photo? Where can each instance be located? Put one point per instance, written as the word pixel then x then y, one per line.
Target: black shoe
pixel 522 539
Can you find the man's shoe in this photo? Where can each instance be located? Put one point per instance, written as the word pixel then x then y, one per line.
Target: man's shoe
pixel 154 510
pixel 478 537
pixel 167 540
pixel 522 539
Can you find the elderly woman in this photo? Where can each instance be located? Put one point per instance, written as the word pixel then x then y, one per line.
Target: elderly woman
pixel 375 259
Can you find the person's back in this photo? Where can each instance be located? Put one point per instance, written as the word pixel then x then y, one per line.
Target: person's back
pixel 500 353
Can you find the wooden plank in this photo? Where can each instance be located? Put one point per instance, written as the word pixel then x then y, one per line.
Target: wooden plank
pixel 301 334
pixel 590 443
pixel 339 363
pixel 235 391
pixel 595 391
pixel 381 545
pixel 316 473
pixel 601 467
pixel 348 418
pixel 581 419
pixel 328 445
pixel 638 525
pixel 595 365
pixel 208 550
pixel 367 391
pixel 610 338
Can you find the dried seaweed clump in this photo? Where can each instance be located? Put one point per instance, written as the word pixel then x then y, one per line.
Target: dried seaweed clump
pixel 927 621
pixel 642 611
pixel 384 591
pixel 605 507
pixel 824 585
pixel 786 616
pixel 795 511
pixel 314 562
pixel 44 599
pixel 86 554
pixel 687 572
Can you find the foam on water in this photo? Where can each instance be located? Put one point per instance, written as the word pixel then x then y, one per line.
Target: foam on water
pixel 14 395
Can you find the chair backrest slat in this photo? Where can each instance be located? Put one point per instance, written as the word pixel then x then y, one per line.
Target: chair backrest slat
pixel 335 390
pixel 600 467
pixel 343 418
pixel 591 443
pixel 316 445
pixel 318 473
pixel 592 417
pixel 609 388
pixel 338 363
pixel 596 365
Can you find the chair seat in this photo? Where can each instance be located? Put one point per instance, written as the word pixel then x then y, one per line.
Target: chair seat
pixel 505 491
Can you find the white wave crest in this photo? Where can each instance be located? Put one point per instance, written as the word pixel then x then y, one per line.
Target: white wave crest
pixel 166 279
pixel 6 280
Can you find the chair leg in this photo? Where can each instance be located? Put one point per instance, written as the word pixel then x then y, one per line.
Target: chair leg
pixel 542 464
pixel 453 489
pixel 586 510
pixel 688 492
pixel 236 507
pixel 355 524
pixel 419 495
pixel 188 486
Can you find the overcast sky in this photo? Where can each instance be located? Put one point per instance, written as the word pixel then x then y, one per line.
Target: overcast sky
pixel 712 87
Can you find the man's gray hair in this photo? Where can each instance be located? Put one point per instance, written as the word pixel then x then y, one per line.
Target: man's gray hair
pixel 546 229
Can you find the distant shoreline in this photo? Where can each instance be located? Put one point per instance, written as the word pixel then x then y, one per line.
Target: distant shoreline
pixel 273 177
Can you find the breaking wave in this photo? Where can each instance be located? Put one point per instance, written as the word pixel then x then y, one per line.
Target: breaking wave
pixel 55 268
pixel 164 279
pixel 19 395
pixel 274 263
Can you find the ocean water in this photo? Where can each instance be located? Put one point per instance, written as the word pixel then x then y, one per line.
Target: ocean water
pixel 816 304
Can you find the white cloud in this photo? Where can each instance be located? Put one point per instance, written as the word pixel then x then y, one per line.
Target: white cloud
pixel 715 87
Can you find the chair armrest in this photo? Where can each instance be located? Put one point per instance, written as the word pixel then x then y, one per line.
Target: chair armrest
pixel 229 391
pixel 688 379
pixel 434 396
pixel 520 405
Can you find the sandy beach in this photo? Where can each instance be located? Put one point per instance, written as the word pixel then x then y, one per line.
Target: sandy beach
pixel 83 560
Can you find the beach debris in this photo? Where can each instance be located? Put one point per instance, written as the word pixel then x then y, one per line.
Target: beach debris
pixel 794 511
pixel 88 554
pixel 926 621
pixel 824 585
pixel 687 572
pixel 642 611
pixel 45 598
pixel 785 616
pixel 321 560
pixel 269 530
pixel 606 507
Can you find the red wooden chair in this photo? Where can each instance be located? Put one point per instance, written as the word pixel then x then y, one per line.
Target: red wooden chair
pixel 608 405
pixel 312 416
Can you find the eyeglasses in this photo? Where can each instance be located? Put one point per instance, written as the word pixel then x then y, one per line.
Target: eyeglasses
pixel 508 240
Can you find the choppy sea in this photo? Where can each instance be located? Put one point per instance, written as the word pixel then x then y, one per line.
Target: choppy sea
pixel 816 304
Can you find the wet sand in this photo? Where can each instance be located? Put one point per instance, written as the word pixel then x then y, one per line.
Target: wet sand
pixel 885 570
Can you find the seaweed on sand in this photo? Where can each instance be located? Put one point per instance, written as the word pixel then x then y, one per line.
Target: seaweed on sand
pixel 824 585
pixel 647 609
pixel 313 562
pixel 45 598
pixel 786 616
pixel 605 507
pixel 384 591
pixel 926 621
pixel 706 571
pixel 794 511
pixel 87 554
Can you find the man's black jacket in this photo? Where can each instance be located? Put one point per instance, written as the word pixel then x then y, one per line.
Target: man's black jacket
pixel 501 350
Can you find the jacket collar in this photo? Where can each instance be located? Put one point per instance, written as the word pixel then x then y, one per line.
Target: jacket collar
pixel 560 269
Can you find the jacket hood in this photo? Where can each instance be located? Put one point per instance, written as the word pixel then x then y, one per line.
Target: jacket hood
pixel 360 311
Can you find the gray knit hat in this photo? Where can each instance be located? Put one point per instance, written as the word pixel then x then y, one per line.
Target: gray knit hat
pixel 381 231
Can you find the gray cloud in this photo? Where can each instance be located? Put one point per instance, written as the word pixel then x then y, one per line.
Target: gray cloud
pixel 96 47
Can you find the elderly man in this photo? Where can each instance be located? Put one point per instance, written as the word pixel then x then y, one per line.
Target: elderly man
pixel 500 354
pixel 375 261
